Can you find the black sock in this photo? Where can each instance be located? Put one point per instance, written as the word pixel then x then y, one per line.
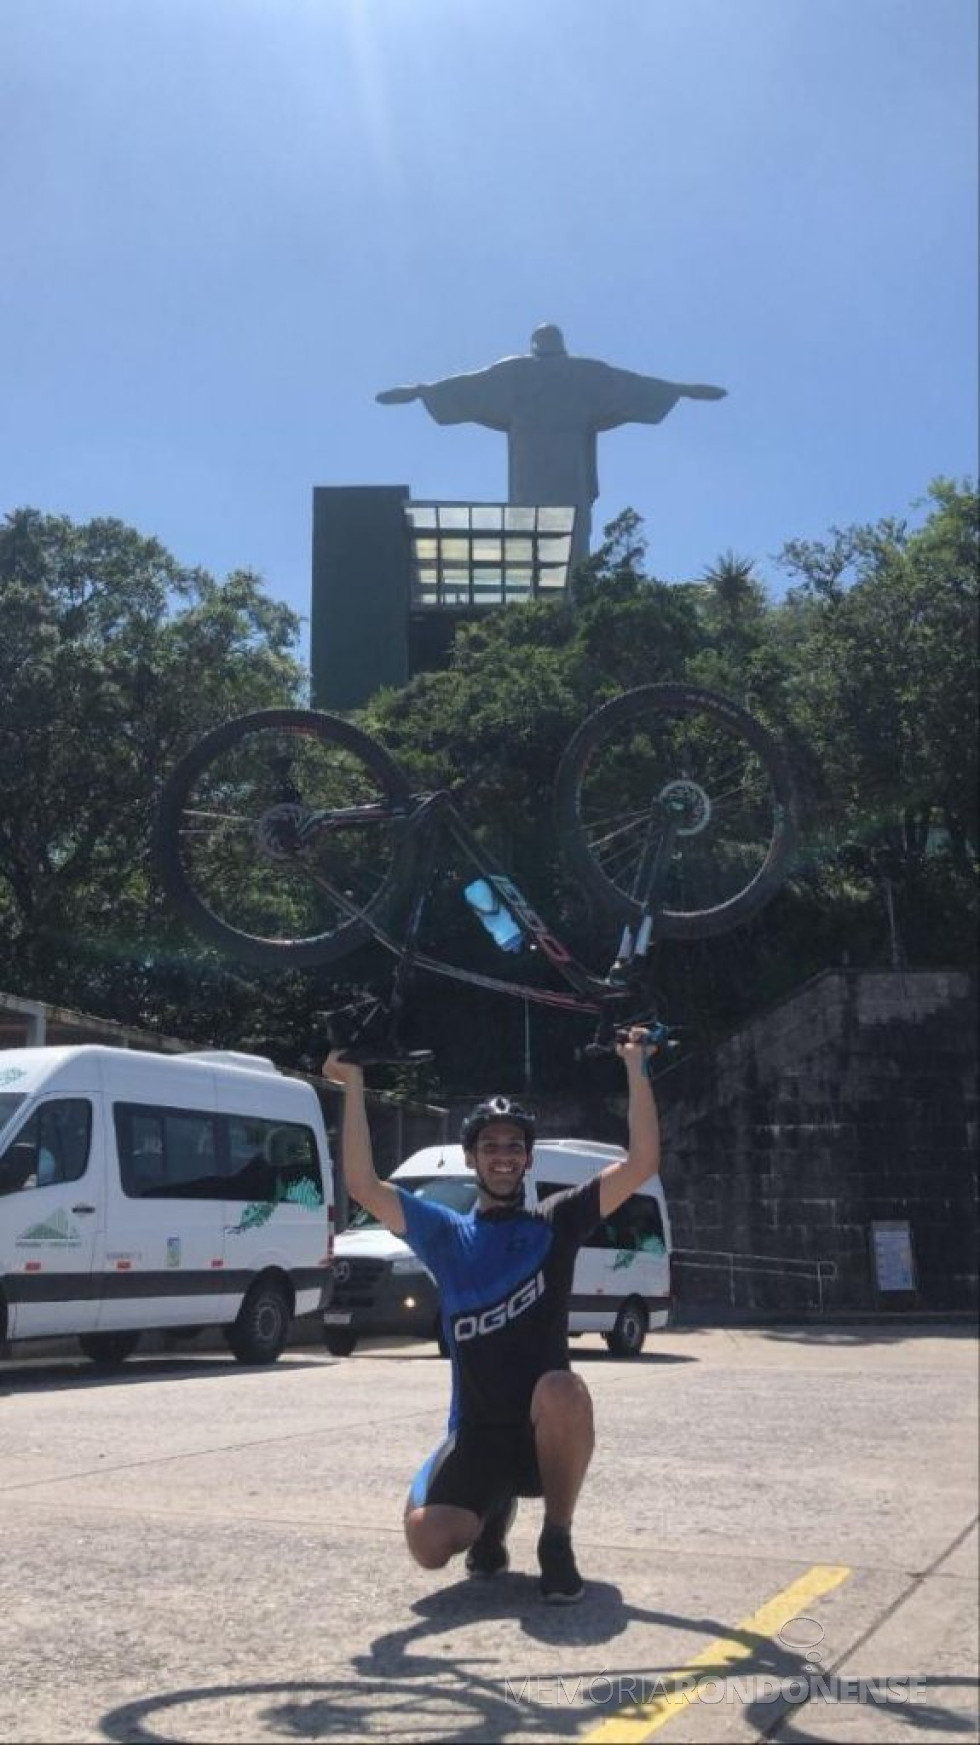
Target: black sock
pixel 551 1530
pixel 497 1523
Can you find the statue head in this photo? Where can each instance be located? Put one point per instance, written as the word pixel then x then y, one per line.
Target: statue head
pixel 547 341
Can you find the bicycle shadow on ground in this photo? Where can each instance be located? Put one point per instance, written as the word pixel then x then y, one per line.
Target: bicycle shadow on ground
pixel 479 1712
pixel 404 1684
pixel 480 1700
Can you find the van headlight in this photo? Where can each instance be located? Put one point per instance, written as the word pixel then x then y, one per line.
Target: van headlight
pixel 409 1264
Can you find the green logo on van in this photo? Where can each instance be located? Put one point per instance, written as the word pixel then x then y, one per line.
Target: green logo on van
pixel 648 1245
pixel 625 1257
pixel 11 1074
pixel 254 1216
pixel 258 1212
pixel 58 1228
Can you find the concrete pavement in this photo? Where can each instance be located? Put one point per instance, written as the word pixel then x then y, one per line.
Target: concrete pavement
pixel 194 1551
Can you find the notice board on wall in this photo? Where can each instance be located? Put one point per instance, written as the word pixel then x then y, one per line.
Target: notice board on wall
pixel 891 1250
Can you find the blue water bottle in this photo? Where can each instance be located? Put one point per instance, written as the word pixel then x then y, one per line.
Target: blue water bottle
pixel 498 920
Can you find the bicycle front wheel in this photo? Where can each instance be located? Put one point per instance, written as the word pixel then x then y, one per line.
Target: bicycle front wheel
pixel 276 829
pixel 677 752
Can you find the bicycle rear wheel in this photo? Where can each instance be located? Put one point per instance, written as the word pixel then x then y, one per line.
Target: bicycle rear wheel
pixel 680 750
pixel 275 827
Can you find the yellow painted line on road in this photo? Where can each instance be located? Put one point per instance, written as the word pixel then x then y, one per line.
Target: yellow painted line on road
pixel 636 1723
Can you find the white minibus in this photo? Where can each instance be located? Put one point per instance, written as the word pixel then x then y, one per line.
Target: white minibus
pixel 621 1286
pixel 149 1191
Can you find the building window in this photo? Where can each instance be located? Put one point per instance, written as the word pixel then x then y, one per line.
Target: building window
pixel 487 554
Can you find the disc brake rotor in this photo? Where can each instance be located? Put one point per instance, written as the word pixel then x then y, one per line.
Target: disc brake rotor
pixel 689 803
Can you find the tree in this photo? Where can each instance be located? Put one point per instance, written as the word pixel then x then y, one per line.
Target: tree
pixel 880 636
pixel 113 659
pixel 865 672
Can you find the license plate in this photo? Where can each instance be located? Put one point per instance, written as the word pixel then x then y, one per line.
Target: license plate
pixel 337 1317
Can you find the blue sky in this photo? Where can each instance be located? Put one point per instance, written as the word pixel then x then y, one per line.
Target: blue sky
pixel 228 223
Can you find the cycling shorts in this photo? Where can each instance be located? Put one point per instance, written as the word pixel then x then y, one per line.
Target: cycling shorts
pixel 479 1469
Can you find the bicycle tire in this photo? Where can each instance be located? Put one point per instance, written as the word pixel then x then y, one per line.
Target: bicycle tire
pixel 733 853
pixel 227 846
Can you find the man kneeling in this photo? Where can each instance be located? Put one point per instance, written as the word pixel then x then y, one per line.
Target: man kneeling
pixel 520 1423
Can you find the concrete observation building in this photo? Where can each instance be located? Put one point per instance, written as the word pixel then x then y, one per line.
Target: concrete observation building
pixel 392 577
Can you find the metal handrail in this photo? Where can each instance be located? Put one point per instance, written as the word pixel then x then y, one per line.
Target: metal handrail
pixel 761 1265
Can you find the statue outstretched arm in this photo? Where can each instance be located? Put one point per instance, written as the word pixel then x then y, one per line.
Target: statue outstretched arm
pixel 480 397
pixel 700 391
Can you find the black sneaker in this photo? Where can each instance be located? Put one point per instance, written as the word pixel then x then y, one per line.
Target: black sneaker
pixel 488 1554
pixel 561 1584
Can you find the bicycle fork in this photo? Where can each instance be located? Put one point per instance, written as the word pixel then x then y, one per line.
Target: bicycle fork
pixel 639 938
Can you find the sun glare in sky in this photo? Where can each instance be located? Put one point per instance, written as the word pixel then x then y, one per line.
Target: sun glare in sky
pixel 229 226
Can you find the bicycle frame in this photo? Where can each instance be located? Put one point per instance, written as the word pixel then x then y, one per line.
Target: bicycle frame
pixel 668 759
pixel 589 995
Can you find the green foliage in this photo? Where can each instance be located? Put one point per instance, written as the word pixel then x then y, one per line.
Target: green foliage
pixel 883 687
pixel 878 640
pixel 113 660
pixel 866 671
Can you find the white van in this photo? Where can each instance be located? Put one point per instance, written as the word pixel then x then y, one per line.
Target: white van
pixel 149 1191
pixel 621 1286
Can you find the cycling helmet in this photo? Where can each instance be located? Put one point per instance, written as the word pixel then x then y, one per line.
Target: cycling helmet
pixel 496 1109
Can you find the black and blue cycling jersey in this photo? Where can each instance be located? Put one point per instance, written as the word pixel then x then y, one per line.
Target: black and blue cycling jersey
pixel 504 1278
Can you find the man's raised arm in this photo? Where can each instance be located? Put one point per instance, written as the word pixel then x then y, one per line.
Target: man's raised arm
pixel 642 1159
pixel 363 1182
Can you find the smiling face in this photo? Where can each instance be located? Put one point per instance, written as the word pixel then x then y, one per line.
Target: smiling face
pixel 500 1156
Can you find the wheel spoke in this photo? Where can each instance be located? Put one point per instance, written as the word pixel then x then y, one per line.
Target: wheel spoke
pixel 279 835
pixel 674 753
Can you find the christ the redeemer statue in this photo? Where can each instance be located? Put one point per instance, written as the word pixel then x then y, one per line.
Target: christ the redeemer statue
pixel 552 408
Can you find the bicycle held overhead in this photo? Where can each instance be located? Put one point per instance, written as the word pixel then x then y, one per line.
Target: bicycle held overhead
pixel 290 837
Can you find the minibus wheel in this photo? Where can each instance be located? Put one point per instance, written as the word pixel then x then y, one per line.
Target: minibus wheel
pixel 108 1350
pixel 259 1332
pixel 627 1336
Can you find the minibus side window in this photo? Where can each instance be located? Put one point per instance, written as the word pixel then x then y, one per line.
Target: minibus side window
pixel 53 1146
pixel 636 1224
pixel 272 1161
pixel 167 1154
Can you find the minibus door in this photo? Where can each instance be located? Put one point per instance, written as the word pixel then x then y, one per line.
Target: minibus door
pixel 51 1212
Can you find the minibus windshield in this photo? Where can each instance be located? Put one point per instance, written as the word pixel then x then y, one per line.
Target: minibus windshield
pixel 454 1191
pixel 10 1102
